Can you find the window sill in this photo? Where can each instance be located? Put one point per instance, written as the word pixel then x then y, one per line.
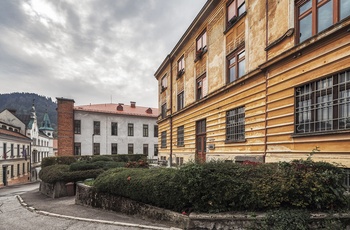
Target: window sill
pixel 236 141
pixel 230 26
pixel 296 135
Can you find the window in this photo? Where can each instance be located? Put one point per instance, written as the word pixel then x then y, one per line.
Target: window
pixel 201 87
pixel 12 174
pixel 235 9
pixel 18 150
pixel 23 168
pixel 114 148
pixel 145 149
pixel 315 16
pixel 180 136
pixel 18 170
pixel 155 150
pixel 181 66
pixel 77 149
pixel 4 153
pixel 235 130
pixel 96 148
pixel 179 161
pixel 97 126
pixel 201 44
pixel 164 83
pixel 164 109
pixel 236 65
pixel 130 129
pixel 180 101
pixel 12 151
pixel 130 148
pixel 323 105
pixel 77 127
pixel 145 130
pixel 155 130
pixel 163 140
pixel 114 129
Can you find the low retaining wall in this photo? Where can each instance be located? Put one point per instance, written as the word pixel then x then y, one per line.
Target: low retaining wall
pixel 59 189
pixel 88 196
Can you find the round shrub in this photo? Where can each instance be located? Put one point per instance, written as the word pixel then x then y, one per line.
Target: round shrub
pixel 54 173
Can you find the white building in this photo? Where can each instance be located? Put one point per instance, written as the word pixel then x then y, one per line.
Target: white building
pixel 14 150
pixel 115 129
pixel 42 141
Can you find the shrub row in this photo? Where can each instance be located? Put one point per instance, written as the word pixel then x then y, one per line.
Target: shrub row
pixel 220 186
pixel 60 173
pixel 85 165
pixel 67 160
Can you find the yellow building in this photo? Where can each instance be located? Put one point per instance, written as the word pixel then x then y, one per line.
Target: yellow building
pixel 258 80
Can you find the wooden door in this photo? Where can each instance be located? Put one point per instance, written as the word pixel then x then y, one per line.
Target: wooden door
pixel 201 145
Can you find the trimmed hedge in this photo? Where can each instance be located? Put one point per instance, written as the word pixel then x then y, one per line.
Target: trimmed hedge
pixel 220 186
pixel 67 160
pixel 57 173
pixel 85 165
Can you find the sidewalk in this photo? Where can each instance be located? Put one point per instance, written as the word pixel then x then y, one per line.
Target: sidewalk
pixel 65 207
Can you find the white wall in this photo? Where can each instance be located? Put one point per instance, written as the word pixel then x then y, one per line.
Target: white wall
pixel 106 139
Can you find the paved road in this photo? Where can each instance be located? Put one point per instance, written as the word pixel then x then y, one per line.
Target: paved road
pixel 13 216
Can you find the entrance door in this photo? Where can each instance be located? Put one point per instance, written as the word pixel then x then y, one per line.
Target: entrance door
pixel 4 175
pixel 201 145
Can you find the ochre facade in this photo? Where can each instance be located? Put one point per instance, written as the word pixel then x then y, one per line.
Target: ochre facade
pixel 265 87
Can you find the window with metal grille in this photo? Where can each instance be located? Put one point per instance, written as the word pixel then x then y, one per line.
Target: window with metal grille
pixel 323 105
pixel 180 136
pixel 163 140
pixel 155 150
pixel 235 125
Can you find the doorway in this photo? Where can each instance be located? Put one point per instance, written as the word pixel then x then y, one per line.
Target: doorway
pixel 201 143
pixel 4 175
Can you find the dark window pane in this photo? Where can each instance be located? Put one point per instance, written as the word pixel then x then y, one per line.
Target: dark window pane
pixel 305 28
pixel 241 68
pixel 325 16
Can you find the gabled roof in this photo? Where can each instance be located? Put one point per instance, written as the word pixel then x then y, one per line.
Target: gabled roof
pixel 123 109
pixel 14 134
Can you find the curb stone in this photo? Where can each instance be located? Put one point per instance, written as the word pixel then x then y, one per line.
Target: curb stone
pixel 44 213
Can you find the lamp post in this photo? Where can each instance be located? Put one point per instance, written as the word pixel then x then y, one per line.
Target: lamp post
pixel 93 135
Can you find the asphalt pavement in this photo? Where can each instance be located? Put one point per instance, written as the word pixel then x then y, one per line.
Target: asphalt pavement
pixel 66 208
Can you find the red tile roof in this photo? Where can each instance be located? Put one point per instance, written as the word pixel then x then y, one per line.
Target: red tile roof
pixel 112 108
pixel 14 134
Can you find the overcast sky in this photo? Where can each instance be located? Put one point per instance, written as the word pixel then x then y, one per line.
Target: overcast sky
pixel 92 51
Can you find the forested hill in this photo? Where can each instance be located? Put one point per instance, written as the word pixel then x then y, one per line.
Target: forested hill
pixel 22 103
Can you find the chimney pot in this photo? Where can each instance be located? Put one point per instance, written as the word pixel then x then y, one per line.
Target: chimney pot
pixel 133 104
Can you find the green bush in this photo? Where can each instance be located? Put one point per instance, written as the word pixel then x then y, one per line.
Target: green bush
pixel 286 219
pixel 220 186
pixel 56 173
pixel 101 158
pixel 84 165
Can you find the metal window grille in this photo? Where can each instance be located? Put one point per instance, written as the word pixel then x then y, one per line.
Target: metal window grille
pixel 235 122
pixel 323 105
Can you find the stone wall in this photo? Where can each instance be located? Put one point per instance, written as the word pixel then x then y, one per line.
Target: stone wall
pixel 53 190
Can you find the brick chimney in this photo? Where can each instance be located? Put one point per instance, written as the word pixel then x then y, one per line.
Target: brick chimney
pixel 120 107
pixel 133 104
pixel 65 126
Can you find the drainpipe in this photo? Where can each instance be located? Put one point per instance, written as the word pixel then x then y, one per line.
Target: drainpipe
pixel 171 111
pixel 266 74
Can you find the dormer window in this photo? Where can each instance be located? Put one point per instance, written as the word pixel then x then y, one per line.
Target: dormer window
pixel 181 66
